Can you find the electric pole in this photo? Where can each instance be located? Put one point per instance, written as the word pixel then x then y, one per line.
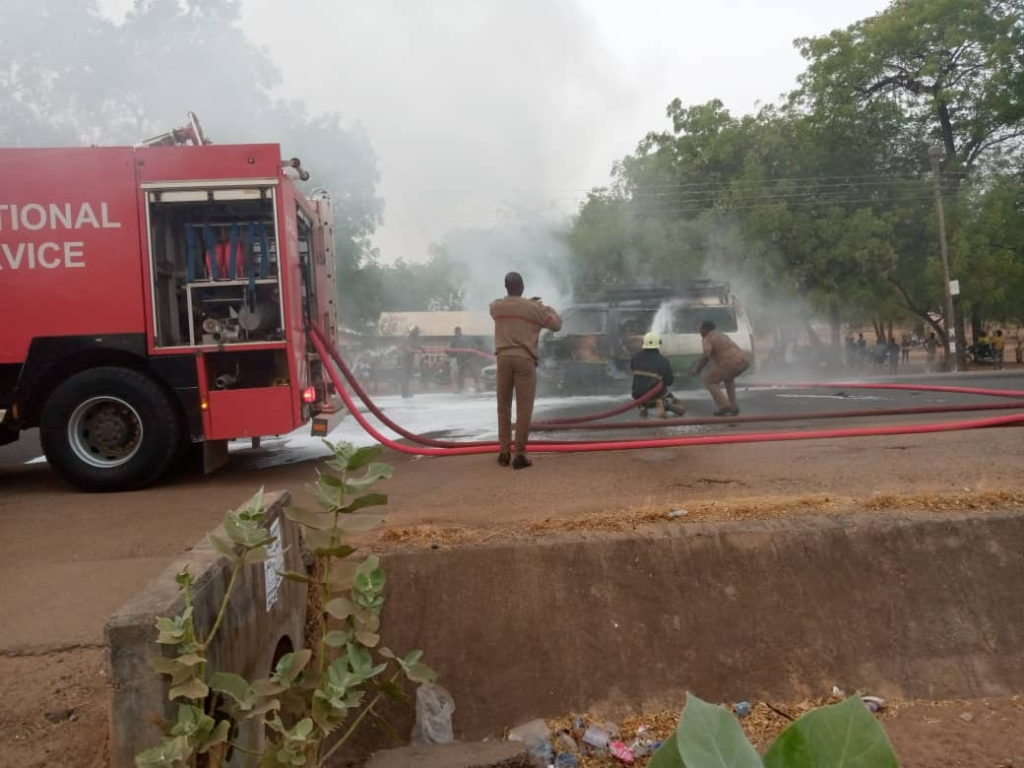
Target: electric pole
pixel 935 155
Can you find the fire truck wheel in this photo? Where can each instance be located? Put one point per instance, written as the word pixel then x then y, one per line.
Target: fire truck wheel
pixel 110 429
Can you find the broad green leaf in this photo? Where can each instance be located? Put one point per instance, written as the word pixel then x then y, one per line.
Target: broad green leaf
pixel 188 719
pixel 369 639
pixel 320 521
pixel 386 652
pixel 360 523
pixel 373 473
pixel 339 551
pixel 710 736
pixel 303 728
pixel 183 578
pixel 255 505
pixel 364 456
pixel 420 673
pixel 358 657
pixel 367 500
pixel 218 736
pixel 170 753
pixel 366 620
pixel 182 674
pixel 412 657
pixel 190 659
pixel 253 556
pixel 297 662
pixel 667 755
pixel 339 608
pixel 330 480
pixel 226 548
pixel 267 687
pixel 844 735
pixel 295 576
pixel 315 539
pixel 193 689
pixel 164 665
pixel 342 576
pixel 267 705
pixel 394 690
pixel 238 533
pixel 370 581
pixel 235 686
pixel 337 639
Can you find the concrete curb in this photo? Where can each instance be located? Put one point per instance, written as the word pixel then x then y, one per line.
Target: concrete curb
pixel 251 639
pixel 925 606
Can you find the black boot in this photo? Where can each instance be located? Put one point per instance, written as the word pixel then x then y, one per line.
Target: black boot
pixel 521 462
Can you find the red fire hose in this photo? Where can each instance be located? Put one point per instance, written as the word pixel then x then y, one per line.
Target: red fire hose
pixel 544 426
pixel 317 338
pixel 548 422
pixel 429 441
pixel 875 385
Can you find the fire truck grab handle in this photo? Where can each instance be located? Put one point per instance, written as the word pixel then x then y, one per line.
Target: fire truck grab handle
pixel 297 165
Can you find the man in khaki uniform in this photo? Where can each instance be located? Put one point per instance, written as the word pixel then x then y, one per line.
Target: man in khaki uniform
pixel 730 361
pixel 517 326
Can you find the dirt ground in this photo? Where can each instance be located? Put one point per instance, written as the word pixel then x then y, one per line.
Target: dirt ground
pixel 53 714
pixel 69 560
pixel 980 733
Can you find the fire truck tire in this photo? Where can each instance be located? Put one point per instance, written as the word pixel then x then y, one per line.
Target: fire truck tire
pixel 110 429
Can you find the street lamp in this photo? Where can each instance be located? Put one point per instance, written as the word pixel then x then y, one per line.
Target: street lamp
pixel 935 155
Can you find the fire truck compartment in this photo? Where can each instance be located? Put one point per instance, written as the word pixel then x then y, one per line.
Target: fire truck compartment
pixel 214 267
pixel 246 369
pixel 250 412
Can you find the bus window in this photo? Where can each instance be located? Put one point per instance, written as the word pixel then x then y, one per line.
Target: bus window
pixel 688 319
pixel 585 321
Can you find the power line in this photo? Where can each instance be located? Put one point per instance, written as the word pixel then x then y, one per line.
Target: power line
pixel 839 178
pixel 724 207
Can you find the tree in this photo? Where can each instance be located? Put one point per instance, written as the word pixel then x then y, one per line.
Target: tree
pixel 760 200
pixel 954 66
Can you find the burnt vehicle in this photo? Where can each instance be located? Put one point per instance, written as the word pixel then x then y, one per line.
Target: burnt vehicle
pixel 591 353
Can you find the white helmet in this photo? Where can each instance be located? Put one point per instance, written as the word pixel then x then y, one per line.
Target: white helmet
pixel 652 340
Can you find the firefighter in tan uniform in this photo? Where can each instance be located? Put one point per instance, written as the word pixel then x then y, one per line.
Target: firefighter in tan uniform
pixel 517 326
pixel 729 362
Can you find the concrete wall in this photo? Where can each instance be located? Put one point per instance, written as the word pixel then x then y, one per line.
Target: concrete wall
pixel 915 607
pixel 246 643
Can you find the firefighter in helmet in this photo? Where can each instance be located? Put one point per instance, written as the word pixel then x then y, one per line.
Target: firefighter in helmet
pixel 649 368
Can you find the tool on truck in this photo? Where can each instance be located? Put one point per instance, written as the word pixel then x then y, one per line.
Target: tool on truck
pixel 157 297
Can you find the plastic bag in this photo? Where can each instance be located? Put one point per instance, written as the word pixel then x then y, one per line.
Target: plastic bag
pixel 434 708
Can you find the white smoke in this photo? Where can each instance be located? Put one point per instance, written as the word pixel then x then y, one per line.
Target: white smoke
pixel 528 239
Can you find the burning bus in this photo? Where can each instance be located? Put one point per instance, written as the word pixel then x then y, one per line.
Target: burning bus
pixel 592 351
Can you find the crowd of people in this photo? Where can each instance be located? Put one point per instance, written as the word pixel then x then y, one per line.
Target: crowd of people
pixel 888 355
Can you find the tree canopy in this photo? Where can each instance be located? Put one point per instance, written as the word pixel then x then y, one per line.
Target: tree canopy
pixel 828 198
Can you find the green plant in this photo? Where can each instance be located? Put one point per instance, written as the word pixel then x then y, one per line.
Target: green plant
pixel 844 735
pixel 306 702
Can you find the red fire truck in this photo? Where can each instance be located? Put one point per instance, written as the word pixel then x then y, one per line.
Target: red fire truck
pixel 156 297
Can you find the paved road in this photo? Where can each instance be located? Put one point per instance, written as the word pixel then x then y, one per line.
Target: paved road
pixel 472 417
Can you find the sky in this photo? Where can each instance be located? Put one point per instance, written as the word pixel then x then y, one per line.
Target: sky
pixel 472 105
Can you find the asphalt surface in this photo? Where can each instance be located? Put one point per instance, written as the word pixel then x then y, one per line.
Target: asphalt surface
pixel 470 417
